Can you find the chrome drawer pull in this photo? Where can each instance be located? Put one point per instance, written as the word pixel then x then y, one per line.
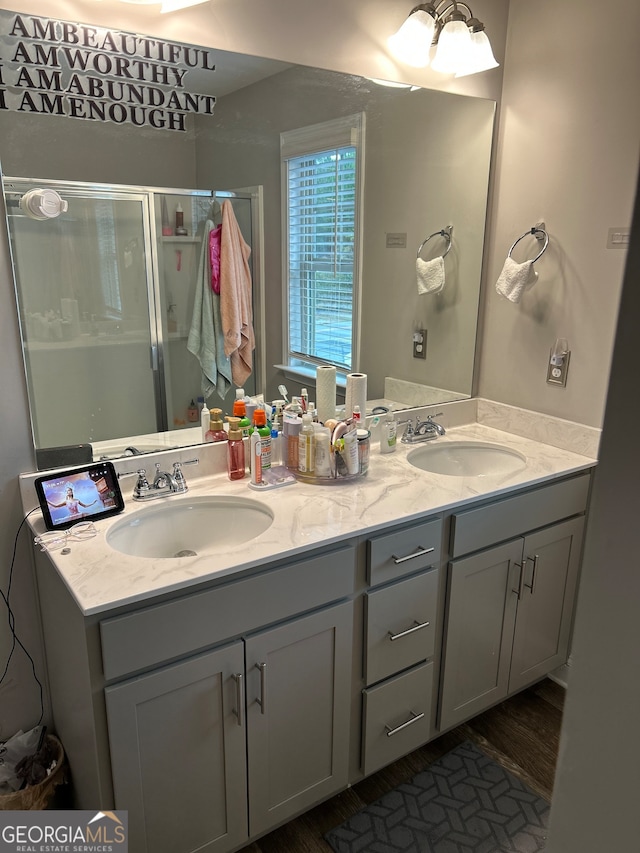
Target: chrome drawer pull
pixel 414 719
pixel 532 587
pixel 239 699
pixel 415 627
pixel 419 553
pixel 262 701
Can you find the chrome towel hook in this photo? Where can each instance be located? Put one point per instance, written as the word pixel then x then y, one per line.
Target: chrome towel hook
pixel 540 234
pixel 444 232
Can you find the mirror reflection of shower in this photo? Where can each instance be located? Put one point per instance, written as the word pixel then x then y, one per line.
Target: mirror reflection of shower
pixel 104 295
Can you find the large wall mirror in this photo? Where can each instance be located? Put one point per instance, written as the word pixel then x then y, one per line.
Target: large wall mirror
pixel 426 167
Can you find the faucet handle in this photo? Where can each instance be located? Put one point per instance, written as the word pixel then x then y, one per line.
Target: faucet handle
pixel 178 476
pixel 432 415
pixel 409 423
pixel 142 484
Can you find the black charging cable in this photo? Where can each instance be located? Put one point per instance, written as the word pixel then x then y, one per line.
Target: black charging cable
pixel 16 641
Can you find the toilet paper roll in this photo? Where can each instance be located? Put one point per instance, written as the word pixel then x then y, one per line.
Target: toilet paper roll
pixel 356 394
pixel 326 392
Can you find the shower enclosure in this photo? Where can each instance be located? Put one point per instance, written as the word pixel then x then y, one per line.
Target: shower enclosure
pixel 105 294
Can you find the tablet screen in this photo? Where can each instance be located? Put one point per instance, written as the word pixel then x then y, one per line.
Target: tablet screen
pixel 88 493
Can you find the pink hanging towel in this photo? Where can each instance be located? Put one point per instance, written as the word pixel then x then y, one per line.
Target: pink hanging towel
pixel 214 254
pixel 236 308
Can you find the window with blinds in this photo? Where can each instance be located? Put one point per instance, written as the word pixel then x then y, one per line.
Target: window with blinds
pixel 322 168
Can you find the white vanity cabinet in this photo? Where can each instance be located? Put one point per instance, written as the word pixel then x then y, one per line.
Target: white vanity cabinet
pixel 216 712
pixel 222 712
pixel 400 626
pixel 183 736
pixel 510 606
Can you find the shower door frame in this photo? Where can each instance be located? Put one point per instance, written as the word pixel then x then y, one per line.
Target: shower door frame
pixel 147 195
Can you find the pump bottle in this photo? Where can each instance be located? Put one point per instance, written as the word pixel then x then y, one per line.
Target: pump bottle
pixel 235 451
pixel 216 431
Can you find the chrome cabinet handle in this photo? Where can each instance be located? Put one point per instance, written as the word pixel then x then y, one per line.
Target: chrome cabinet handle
pixel 237 676
pixel 419 553
pixel 414 719
pixel 518 591
pixel 415 627
pixel 262 701
pixel 532 586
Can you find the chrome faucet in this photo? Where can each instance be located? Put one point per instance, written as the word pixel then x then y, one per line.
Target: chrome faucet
pixel 423 430
pixel 164 482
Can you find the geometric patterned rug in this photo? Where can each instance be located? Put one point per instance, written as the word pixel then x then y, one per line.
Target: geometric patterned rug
pixel 463 803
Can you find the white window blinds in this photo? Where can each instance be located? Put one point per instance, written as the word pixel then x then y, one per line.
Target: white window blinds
pixel 322 167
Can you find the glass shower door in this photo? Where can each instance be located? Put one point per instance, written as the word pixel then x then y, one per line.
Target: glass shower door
pixel 85 291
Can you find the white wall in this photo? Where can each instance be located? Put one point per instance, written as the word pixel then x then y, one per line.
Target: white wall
pixel 595 799
pixel 568 154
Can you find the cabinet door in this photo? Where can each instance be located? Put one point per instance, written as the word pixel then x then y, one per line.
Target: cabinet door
pixel 482 596
pixel 178 754
pixel 298 702
pixel 545 609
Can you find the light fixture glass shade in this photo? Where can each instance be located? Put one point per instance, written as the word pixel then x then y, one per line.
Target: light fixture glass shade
pixel 412 43
pixel 175 5
pixel 480 56
pixel 453 45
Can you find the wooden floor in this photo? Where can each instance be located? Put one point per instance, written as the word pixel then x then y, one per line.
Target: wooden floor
pixel 521 733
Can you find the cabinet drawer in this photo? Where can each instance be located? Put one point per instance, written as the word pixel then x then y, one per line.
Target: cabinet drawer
pixel 479 528
pixel 400 625
pixel 396 717
pixel 169 631
pixel 403 552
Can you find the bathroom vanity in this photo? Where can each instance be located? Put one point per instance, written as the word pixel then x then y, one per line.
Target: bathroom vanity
pixel 216 697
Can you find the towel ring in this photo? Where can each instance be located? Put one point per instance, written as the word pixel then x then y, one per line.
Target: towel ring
pixel 533 231
pixel 444 232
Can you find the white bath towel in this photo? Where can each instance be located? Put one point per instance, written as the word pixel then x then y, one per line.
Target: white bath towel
pixel 515 278
pixel 430 275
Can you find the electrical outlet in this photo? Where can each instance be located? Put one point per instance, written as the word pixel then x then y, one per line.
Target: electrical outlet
pixel 420 343
pixel 557 373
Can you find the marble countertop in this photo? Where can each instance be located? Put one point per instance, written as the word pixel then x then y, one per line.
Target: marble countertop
pixel 305 517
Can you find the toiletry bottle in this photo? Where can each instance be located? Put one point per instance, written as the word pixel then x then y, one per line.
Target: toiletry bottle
pixel 192 412
pixel 240 412
pixel 304 399
pixel 216 431
pixel 260 426
pixel 235 450
pixel 291 433
pixel 357 415
pixel 388 434
pixel 205 417
pixel 323 452
pixel 276 447
pixel 256 458
pixel 306 446
pixel 167 230
pixel 294 406
pixel 181 231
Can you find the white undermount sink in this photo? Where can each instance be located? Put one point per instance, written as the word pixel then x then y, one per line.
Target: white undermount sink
pixel 189 526
pixel 466 458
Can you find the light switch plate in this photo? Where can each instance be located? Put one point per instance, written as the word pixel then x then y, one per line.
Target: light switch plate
pixel 557 374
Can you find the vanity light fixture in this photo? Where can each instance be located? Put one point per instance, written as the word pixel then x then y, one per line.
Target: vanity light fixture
pixel 462 46
pixel 166 5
